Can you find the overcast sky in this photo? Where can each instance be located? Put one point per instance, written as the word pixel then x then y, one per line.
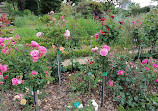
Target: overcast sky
pixel 144 2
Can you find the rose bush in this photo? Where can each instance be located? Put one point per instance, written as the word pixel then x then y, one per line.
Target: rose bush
pixel 110 30
pixel 26 64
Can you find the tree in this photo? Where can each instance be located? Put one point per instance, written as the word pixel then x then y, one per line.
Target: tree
pixel 134 6
pixel 155 0
pixel 112 3
pixel 48 5
pixel 120 2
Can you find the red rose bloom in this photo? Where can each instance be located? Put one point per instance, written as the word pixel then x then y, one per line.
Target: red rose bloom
pixel 95 17
pixel 112 16
pixel 102 33
pixel 121 22
pixel 102 19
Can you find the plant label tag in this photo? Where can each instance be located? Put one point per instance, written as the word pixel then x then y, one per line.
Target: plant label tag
pixel 105 74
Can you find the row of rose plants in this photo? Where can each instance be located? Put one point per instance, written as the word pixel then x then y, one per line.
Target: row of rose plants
pixel 127 80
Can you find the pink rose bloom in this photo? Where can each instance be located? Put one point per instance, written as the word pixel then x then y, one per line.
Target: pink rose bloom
pixel 1 73
pixel 13 43
pixel 17 36
pixel 35 59
pixel 67 34
pixel 34 53
pixel 42 49
pixel 4 51
pixel 14 81
pixel 46 72
pixel 19 81
pixel 34 44
pixel 145 61
pixel 34 72
pixel 54 46
pixel 121 72
pixel 52 12
pixel 118 97
pixel 107 47
pixel 39 34
pixel 94 49
pixel 146 68
pixel 6 48
pixel 62 17
pixel 1 83
pixel 103 52
pixel 140 23
pixel 156 80
pixel 1 40
pixel 155 65
pixel 2 44
pixel 96 35
pixel 10 38
pixel 133 22
pixel 155 70
pixel 131 64
pixel 21 96
pixel 4 68
pixel 54 19
pixel 110 83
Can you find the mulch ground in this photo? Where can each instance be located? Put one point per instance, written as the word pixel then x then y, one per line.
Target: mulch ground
pixel 57 100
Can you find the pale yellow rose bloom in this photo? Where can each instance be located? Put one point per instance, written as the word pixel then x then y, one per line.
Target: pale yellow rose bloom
pixel 23 102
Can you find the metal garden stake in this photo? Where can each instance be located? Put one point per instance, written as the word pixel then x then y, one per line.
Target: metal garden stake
pixel 35 99
pixel 59 67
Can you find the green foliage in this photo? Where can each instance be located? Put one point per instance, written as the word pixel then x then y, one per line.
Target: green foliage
pixel 78 53
pixel 45 19
pixel 84 82
pixel 83 27
pixel 25 20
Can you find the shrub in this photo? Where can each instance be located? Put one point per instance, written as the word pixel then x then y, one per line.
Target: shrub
pixel 150 26
pixel 88 8
pixel 136 11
